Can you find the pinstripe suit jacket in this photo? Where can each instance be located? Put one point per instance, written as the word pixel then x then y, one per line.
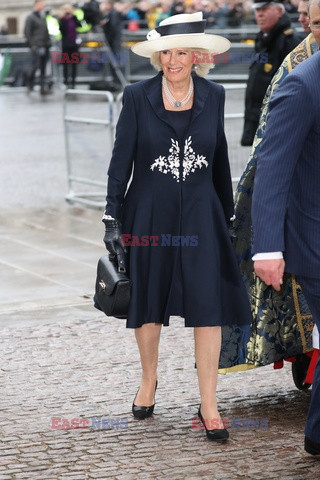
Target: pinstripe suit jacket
pixel 286 196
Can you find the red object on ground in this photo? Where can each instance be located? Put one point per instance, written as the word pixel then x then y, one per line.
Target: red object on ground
pixel 312 366
pixel 314 354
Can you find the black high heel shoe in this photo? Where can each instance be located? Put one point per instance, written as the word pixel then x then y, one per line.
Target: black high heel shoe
pixel 143 412
pixel 218 434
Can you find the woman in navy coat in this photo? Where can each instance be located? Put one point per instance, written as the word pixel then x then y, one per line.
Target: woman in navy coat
pixel 174 217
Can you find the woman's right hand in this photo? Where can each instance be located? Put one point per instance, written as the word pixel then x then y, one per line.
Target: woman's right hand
pixel 113 240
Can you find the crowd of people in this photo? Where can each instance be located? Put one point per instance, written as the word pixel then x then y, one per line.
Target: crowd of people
pixel 217 13
pixel 149 13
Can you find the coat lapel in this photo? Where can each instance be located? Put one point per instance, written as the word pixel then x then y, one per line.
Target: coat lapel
pixel 201 91
pixel 154 95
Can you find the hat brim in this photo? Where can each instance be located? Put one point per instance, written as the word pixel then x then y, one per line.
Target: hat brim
pixel 212 43
pixel 260 4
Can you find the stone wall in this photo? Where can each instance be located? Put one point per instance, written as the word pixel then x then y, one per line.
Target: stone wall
pixel 14 12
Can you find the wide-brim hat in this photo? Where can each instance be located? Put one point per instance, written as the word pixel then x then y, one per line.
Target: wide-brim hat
pixel 185 30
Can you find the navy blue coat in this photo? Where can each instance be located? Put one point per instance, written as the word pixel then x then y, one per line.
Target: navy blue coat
pixel 178 188
pixel 286 196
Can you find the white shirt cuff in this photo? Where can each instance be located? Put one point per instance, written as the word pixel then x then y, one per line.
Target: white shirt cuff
pixel 267 256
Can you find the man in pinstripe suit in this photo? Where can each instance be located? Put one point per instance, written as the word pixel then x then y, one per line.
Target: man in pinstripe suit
pixel 286 201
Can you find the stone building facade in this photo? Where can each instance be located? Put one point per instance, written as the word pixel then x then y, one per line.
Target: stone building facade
pixel 14 12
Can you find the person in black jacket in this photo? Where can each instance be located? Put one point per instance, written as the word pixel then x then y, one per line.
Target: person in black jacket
pixel 275 39
pixel 38 39
pixel 111 23
pixel 68 24
pixel 91 10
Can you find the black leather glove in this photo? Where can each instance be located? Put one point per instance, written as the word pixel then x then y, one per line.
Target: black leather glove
pixel 113 241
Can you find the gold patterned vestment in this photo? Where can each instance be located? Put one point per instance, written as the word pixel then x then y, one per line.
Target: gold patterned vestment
pixel 281 321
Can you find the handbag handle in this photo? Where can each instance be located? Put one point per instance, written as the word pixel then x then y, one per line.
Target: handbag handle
pixel 120 260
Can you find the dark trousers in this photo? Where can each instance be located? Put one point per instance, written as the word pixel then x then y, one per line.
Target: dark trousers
pixel 115 46
pixel 69 69
pixel 311 291
pixel 39 60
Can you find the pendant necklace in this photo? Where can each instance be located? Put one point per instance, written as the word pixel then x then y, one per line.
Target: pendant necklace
pixel 173 102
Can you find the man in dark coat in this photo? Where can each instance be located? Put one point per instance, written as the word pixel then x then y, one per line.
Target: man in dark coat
pixel 276 39
pixel 286 198
pixel 91 10
pixel 112 26
pixel 112 23
pixel 38 39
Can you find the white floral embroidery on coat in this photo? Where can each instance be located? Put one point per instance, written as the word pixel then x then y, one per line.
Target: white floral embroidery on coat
pixel 190 162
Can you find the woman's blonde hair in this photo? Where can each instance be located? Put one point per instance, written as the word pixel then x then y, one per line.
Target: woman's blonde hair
pixel 201 68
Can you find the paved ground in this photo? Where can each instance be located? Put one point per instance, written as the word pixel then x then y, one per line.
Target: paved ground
pixel 61 359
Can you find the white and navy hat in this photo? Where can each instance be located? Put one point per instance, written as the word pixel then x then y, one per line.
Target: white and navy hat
pixel 185 30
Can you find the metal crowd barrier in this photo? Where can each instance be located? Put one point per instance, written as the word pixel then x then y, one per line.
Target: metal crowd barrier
pixel 81 168
pixel 135 68
pixel 233 126
pixel 21 62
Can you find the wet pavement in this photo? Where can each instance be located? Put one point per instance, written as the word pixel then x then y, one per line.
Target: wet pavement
pixel 64 364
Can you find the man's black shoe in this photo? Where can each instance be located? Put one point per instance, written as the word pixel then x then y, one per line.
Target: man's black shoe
pixel 311 447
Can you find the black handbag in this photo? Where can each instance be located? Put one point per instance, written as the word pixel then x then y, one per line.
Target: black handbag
pixel 112 290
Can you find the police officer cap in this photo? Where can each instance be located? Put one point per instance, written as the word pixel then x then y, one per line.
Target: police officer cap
pixel 265 2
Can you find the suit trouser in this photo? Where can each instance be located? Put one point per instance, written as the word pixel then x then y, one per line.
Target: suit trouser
pixel 39 60
pixel 311 291
pixel 70 67
pixel 115 46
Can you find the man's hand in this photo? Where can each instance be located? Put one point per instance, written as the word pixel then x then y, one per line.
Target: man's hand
pixel 270 271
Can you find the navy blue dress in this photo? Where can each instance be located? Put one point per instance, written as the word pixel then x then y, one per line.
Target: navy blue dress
pixel 181 195
pixel 179 120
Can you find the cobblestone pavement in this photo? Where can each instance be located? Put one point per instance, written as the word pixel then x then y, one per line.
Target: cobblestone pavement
pixel 62 359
